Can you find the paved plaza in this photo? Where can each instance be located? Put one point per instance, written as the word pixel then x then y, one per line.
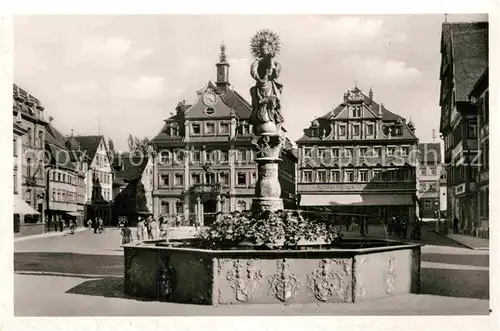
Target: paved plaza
pixel 82 275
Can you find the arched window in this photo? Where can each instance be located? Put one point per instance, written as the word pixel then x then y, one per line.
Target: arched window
pixel 165 157
pixel 241 205
pixel 29 137
pixel 175 129
pixel 165 207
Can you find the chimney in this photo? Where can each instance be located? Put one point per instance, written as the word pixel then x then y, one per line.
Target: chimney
pixel 380 109
pixel 370 96
pixel 346 96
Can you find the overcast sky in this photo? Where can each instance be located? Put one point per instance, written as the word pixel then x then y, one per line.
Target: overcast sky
pixel 128 72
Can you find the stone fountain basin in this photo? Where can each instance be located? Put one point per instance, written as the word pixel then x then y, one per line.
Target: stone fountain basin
pixel 215 277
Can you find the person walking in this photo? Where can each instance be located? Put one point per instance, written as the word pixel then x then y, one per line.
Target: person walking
pixel 89 224
pixel 101 225
pixel 164 228
pixel 456 223
pixel 140 229
pixel 61 224
pixel 154 228
pixel 72 225
pixel 148 227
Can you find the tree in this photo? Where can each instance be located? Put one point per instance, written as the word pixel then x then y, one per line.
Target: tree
pixel 140 145
pixel 112 153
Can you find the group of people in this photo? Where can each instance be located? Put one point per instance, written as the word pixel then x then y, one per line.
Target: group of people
pixel 59 225
pixel 149 228
pixel 398 225
pixel 96 224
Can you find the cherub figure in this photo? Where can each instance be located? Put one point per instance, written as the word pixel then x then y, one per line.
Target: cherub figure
pixel 266 93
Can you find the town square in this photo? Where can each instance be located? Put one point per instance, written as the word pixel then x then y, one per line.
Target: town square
pixel 311 165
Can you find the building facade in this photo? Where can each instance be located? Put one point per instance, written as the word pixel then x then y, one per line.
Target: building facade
pixel 204 156
pixel 65 171
pixel 429 179
pixel 98 177
pixel 359 158
pixel 132 188
pixel 464 58
pixel 17 153
pixel 480 97
pixel 28 116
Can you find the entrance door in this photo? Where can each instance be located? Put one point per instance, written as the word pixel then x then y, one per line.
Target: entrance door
pixel 209 210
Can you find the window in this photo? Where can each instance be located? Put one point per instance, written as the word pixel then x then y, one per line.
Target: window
pixel 224 128
pixel 432 171
pixel 423 171
pixel 195 179
pixel 363 176
pixel 165 157
pixel 29 136
pixel 196 156
pixel 178 156
pixel 335 152
pixel 362 151
pixel 405 151
pixel 321 176
pixel 178 180
pixel 224 178
pixel 348 152
pixel 175 129
pixel 348 176
pixel 241 179
pixel 307 176
pixel 369 129
pixel 321 153
pixel 209 128
pixel 307 152
pixel 64 178
pixel 40 139
pixel 376 175
pixel 241 205
pixel 244 128
pixel 391 151
pixel 356 111
pixel 253 178
pixel 335 176
pixel 472 129
pixel 15 181
pixel 355 130
pixel 342 131
pixel 210 178
pixel 15 147
pixel 165 207
pixel 377 151
pixel 195 128
pixel 164 180
pixel 224 156
pixel 427 205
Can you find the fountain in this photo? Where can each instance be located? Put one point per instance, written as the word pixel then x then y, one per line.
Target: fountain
pixel 268 255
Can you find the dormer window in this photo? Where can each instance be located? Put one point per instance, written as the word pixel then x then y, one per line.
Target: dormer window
pixel 175 129
pixel 210 128
pixel 224 128
pixel 195 128
pixel 314 132
pixel 356 111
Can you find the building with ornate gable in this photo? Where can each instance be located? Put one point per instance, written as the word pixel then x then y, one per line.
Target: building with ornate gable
pixel 204 160
pixel 359 158
pixel 429 179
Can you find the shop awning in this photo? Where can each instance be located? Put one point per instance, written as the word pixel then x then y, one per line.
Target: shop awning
pixel 21 207
pixel 356 200
pixel 74 213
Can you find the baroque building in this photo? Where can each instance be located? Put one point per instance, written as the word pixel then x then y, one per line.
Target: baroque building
pixel 204 156
pixel 29 145
pixel 359 158
pixel 464 58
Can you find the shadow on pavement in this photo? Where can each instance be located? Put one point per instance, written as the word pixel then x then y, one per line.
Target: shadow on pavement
pixel 455 283
pixel 461 259
pixel 71 263
pixel 109 287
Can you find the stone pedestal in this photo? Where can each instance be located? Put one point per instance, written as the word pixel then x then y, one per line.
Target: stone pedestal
pixel 268 188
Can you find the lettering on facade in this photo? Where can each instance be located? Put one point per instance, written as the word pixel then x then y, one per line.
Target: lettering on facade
pixel 457 151
pixel 354 186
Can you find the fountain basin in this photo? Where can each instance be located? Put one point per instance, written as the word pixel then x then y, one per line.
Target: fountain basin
pixel 155 271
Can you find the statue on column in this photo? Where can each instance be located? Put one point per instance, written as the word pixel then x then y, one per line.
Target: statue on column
pixel 266 106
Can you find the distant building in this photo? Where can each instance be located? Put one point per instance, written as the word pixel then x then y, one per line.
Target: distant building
pixel 464 58
pixel 480 96
pixel 99 176
pixel 29 131
pixel 359 158
pixel 132 188
pixel 204 160
pixel 429 179
pixel 66 171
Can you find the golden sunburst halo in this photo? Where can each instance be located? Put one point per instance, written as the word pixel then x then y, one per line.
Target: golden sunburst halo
pixel 262 37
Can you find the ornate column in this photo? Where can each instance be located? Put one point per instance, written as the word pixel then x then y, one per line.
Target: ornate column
pixel 199 214
pixel 266 120
pixel 218 206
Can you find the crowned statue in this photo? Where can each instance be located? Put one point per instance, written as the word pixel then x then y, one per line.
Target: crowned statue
pixel 266 108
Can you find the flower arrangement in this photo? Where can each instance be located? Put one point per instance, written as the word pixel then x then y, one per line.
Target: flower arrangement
pixel 271 230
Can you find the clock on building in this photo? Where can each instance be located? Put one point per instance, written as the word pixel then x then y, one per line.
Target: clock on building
pixel 209 98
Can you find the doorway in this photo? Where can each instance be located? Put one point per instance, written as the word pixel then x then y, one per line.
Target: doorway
pixel 209 210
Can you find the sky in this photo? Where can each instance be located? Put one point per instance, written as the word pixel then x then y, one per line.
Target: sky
pixel 121 75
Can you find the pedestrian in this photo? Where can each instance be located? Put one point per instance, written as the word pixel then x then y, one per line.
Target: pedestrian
pixel 456 223
pixel 55 225
pixel 390 225
pixel 101 225
pixel 89 224
pixel 61 224
pixel 95 223
pixel 140 229
pixel 149 228
pixel 404 227
pixel 72 226
pixel 126 235
pixel 164 228
pixel 154 228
